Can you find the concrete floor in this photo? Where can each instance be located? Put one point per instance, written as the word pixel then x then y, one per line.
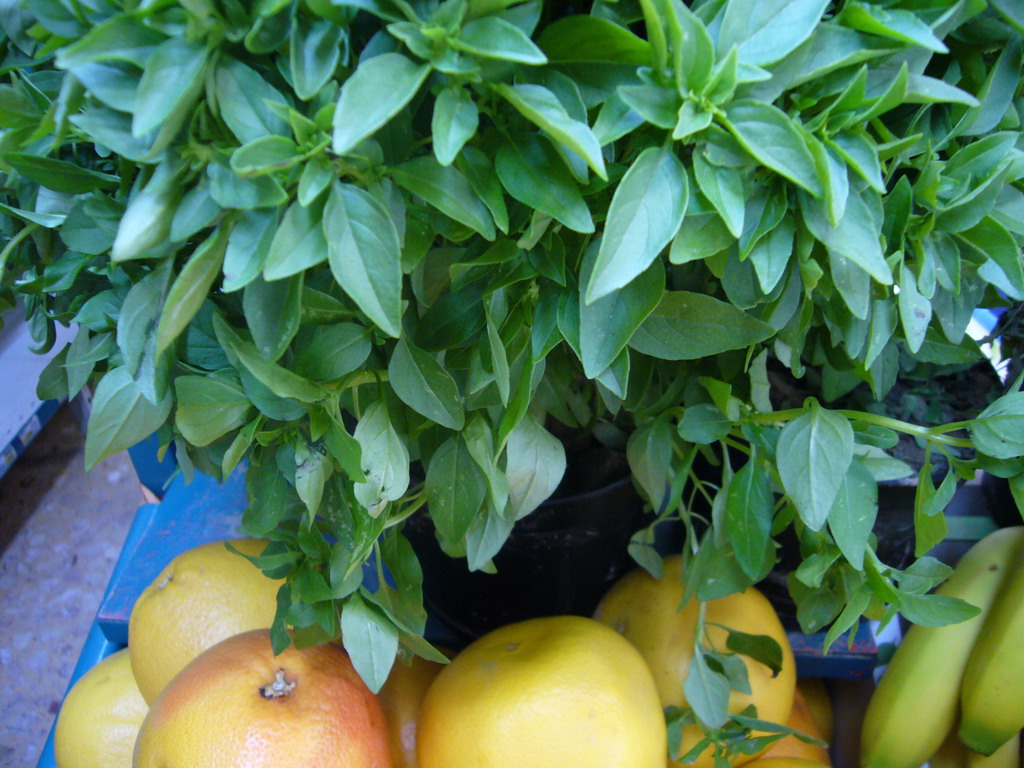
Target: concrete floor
pixel 61 531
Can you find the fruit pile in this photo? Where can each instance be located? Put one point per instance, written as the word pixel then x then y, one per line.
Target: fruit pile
pixel 954 695
pixel 199 686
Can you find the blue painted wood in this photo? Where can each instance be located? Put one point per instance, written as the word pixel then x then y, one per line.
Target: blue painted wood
pixel 844 660
pixel 188 516
pixel 154 473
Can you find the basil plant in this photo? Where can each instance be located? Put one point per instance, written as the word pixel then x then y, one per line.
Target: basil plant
pixel 382 250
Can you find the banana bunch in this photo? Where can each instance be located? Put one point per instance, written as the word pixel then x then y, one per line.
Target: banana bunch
pixel 976 667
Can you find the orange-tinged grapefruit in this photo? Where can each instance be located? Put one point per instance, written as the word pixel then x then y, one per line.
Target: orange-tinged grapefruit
pixel 237 705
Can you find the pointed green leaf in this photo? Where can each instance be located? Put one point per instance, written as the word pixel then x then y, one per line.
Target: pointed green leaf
pixel 365 254
pixel 646 211
pixel 377 91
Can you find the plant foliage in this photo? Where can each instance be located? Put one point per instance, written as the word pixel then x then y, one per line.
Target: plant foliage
pixel 376 248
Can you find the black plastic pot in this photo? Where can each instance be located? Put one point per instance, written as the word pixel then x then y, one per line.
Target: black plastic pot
pixel 560 559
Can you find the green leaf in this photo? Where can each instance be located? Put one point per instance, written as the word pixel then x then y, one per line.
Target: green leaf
pixel 332 351
pixel 646 211
pixel 169 82
pixel 694 52
pixel 424 385
pixel 813 455
pixel 312 470
pixel 915 310
pixel 345 450
pixel 707 692
pixel 770 254
pixel 122 37
pixel 58 175
pixel 377 91
pixel 455 488
pixel 768 31
pixel 723 187
pixel 146 223
pixel 314 53
pixel 495 38
pixel 230 190
pixel 1012 12
pixel 120 416
pixel 208 408
pixel 998 431
pixel 607 324
pixel 689 326
pixel 853 513
pixel 936 610
pixel 248 246
pixel 704 424
pixel 748 516
pixel 272 312
pixel 894 23
pixel 771 137
pixel 649 452
pixel 243 97
pixel 478 171
pixel 761 648
pixel 533 173
pixel 267 154
pixel 535 465
pixel 993 240
pixel 455 121
pixel 541 107
pixel 82 355
pixel 860 153
pixel 371 641
pixel 190 289
pixel 364 252
pixel 385 460
pixel 922 89
pixel 136 328
pixel 855 237
pixel 195 213
pixel 299 242
pixel 446 189
pixel 592 39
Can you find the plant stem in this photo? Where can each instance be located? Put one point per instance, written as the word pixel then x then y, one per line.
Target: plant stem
pixel 931 434
pixel 13 243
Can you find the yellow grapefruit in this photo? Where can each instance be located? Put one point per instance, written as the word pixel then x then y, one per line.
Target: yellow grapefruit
pixel 820 702
pixel 203 596
pixel 100 717
pixel 237 705
pixel 558 692
pixel 800 719
pixel 401 698
pixel 646 612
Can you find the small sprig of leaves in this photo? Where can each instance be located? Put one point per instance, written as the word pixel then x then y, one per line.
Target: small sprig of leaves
pixel 739 734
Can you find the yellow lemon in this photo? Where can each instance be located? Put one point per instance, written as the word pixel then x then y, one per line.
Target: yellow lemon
pixel 557 692
pixel 100 717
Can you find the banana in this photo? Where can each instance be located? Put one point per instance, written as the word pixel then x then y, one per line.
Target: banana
pixel 915 705
pixel 1007 756
pixel 992 696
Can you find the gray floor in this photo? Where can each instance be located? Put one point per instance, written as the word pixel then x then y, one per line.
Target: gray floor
pixel 60 533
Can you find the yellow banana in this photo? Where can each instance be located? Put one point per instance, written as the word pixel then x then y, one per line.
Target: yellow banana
pixel 915 705
pixel 992 696
pixel 1007 756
